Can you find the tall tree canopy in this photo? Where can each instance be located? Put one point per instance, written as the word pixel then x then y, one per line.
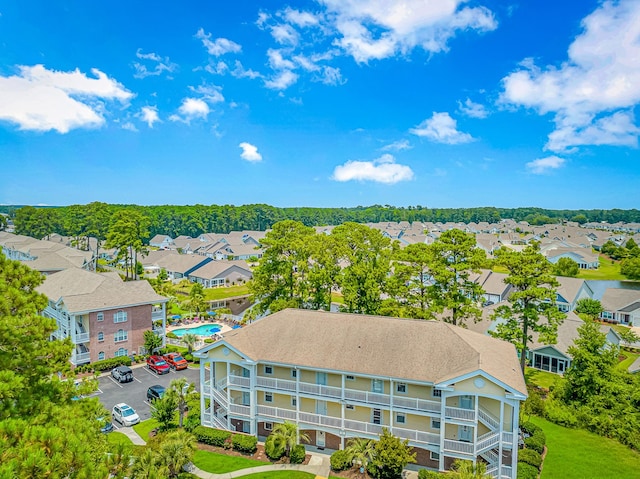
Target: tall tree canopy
pixel 128 233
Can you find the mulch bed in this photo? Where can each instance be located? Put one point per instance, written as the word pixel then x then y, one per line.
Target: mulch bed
pixel 259 455
pixel 351 474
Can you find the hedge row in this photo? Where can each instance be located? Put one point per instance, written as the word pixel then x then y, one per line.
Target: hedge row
pixel 105 364
pixel 340 460
pixel 220 438
pixel 530 458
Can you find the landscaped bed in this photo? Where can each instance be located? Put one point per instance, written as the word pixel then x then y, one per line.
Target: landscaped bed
pixel 219 460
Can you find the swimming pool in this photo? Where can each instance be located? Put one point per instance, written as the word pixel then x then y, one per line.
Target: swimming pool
pixel 202 330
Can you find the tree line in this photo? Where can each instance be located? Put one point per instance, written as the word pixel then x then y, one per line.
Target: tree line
pixel 193 220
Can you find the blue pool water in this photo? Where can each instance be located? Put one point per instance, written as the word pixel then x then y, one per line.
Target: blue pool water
pixel 202 330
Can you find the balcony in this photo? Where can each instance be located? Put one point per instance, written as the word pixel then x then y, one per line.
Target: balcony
pixel 80 338
pixel 80 358
pixel 157 314
pixel 460 414
pixel 458 446
pixel 413 403
pixel 417 436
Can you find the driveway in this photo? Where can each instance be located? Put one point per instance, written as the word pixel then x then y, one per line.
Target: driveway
pixel 110 392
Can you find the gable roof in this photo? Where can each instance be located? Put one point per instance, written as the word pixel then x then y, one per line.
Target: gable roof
pixel 616 299
pixel 430 351
pixel 215 269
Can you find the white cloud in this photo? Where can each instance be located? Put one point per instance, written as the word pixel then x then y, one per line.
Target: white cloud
pixel 277 61
pixel 219 46
pixel 129 126
pixel 332 76
pixel 282 80
pixel 191 108
pixel 149 114
pixel 474 110
pixel 544 165
pixel 210 93
pixel 301 19
pixel 381 170
pixel 285 34
pixel 158 65
pixel 240 72
pixel 43 100
pixel 397 146
pixel 441 128
pixel 592 94
pixel 249 152
pixel 376 29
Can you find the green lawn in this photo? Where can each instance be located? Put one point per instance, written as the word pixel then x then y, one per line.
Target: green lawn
pixel 630 357
pixel 606 270
pixel 221 463
pixel 144 428
pixel 280 475
pixel 578 454
pixel 539 378
pixel 114 438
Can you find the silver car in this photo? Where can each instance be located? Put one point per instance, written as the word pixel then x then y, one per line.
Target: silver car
pixel 125 414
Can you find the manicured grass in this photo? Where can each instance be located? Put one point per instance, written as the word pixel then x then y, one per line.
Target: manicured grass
pixel 606 271
pixel 539 378
pixel 578 454
pixel 337 298
pixel 221 463
pixel 280 475
pixel 213 294
pixel 630 357
pixel 114 438
pixel 144 428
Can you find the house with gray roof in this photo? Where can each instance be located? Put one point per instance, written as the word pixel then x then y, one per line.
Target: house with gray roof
pixel 621 306
pixel 570 291
pixel 221 273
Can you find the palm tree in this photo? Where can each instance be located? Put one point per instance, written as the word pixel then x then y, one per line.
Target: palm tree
pixel 361 452
pixel 147 466
pixel 118 462
pixel 189 340
pixel 466 469
pixel 176 450
pixel 181 391
pixel 288 435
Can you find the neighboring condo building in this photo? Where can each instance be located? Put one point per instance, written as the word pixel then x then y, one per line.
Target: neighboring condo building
pixel 104 316
pixel 451 392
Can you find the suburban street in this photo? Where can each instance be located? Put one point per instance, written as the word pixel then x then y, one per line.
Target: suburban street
pixel 134 393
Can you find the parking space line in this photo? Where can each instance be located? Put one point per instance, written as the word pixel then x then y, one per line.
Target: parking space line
pixel 116 382
pixel 114 424
pixel 136 380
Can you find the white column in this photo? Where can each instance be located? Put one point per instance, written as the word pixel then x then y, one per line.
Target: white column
pixel 514 445
pixel 202 376
pixel 443 427
pixel 298 373
pixel 475 428
pixel 228 398
pixel 253 406
pixel 391 394
pixel 500 429
pixel 164 324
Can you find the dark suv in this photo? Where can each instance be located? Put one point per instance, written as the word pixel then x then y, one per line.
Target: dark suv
pixel 155 392
pixel 122 374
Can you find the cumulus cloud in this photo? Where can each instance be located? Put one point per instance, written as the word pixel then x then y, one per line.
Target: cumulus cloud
pixel 285 34
pixel 153 65
pixel 210 93
pixel 219 46
pixel 381 170
pixel 397 146
pixel 191 108
pixel 250 152
pixel 149 114
pixel 282 80
pixel 474 110
pixel 441 128
pixel 376 29
pixel 42 100
pixel 592 94
pixel 544 165
pixel 300 19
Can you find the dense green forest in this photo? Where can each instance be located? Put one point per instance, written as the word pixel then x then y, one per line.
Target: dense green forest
pixel 193 220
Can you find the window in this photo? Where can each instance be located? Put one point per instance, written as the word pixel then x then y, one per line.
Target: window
pixel 294 402
pixel 294 373
pixel 434 456
pixel 120 317
pixel 100 316
pixel 437 393
pixel 268 426
pixel 377 416
pixel 401 418
pixel 401 388
pixel 100 355
pixel 268 369
pixel 351 407
pixel 268 397
pixel 121 335
pixel 120 352
pixel 100 336
pixel 435 424
pixel 377 386
pixel 606 315
pixel 348 377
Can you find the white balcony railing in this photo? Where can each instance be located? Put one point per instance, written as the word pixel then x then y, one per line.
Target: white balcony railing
pixel 278 384
pixel 487 441
pixel 320 390
pixel 239 410
pixel 507 472
pixel 239 381
pixel 80 358
pixel 416 404
pixel 459 413
pixel 276 412
pixel 80 338
pixel 507 437
pixel 417 436
pixel 458 446
pixel 488 418
pixel 367 397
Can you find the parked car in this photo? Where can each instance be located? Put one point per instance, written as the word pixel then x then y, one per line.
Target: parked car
pixel 125 414
pixel 176 361
pixel 158 365
pixel 105 424
pixel 155 392
pixel 122 374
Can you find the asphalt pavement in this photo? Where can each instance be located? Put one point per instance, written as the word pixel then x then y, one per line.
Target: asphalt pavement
pixel 134 393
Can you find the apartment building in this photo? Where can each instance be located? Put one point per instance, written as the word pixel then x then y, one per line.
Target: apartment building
pixel 104 316
pixel 451 392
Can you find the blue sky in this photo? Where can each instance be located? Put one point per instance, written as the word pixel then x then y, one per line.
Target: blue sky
pixel 324 103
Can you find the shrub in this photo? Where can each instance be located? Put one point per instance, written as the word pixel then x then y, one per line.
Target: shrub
pixel 340 461
pixel 188 357
pixel 107 364
pixel 530 428
pixel 527 471
pixel 209 341
pixel 530 456
pixel 296 456
pixel 244 443
pixel 273 450
pixel 213 437
pixel 559 414
pixel 171 335
pixel 426 474
pixel 535 443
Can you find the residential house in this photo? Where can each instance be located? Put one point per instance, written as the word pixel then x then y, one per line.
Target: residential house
pixel 179 266
pixel 621 306
pixel 161 241
pixel 221 273
pixel 451 392
pixel 583 256
pixel 495 288
pixel 104 316
pixel 570 291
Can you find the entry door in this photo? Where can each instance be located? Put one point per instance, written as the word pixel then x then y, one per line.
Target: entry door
pixel 465 433
pixel 466 402
pixel 321 407
pixel 321 378
pixel 320 439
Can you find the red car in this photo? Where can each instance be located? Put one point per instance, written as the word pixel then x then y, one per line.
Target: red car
pixel 175 361
pixel 158 365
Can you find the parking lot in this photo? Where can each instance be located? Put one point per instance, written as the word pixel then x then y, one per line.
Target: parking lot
pixel 134 393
